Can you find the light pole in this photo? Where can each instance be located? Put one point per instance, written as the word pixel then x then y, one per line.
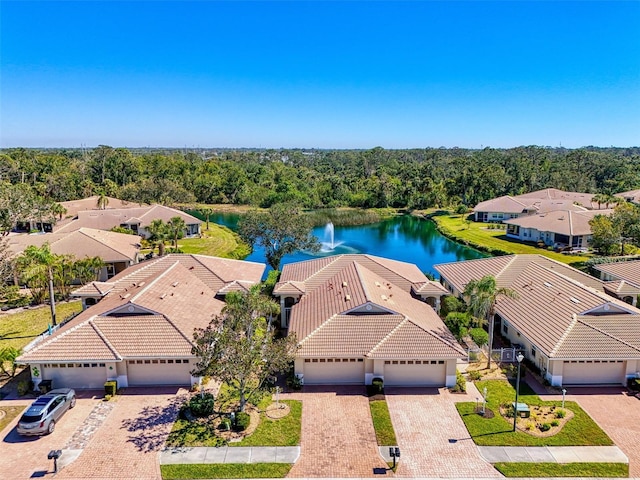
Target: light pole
pixel 520 357
pixel 564 391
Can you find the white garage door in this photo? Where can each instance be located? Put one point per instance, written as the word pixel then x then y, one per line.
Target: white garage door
pixel 333 371
pixel 75 375
pixel 593 373
pixel 415 373
pixel 159 372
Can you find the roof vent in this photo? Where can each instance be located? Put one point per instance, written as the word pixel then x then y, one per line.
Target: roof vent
pixel 141 284
pixel 384 297
pixel 574 300
pixel 162 296
pixel 345 284
pixel 126 295
pixel 347 297
pixel 175 284
pixel 377 284
pixel 547 284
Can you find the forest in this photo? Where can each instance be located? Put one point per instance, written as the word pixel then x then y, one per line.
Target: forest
pixel 375 178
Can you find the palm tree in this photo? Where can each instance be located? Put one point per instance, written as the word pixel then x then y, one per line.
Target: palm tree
pixel 482 296
pixel 176 228
pixel 158 235
pixel 206 213
pixel 102 201
pixel 37 263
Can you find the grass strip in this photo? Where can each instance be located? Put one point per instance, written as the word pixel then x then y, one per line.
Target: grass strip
pixel 385 434
pixel 610 470
pixel 283 432
pixel 497 431
pixel 11 412
pixel 225 470
pixel 18 329
pixel 218 241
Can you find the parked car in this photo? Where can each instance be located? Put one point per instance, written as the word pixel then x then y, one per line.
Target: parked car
pixel 41 417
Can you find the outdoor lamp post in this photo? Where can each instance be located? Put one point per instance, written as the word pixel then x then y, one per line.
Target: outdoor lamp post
pixel 520 357
pixel 564 391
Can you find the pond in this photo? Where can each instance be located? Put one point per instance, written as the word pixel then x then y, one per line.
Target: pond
pixel 406 238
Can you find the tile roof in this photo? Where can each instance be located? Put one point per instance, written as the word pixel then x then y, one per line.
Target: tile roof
pixel 430 288
pixel 152 312
pixel 631 195
pixel 542 201
pixel 549 297
pixel 84 242
pixel 357 311
pixel 629 271
pixel 622 287
pixel 565 222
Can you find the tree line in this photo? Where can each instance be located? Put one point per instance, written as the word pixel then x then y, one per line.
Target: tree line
pixel 375 178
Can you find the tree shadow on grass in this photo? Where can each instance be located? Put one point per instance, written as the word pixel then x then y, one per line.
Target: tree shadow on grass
pixel 150 427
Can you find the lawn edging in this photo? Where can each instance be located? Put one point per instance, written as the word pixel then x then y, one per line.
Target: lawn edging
pixel 224 470
pixel 525 469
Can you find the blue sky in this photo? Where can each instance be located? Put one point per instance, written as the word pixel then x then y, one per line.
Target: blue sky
pixel 320 74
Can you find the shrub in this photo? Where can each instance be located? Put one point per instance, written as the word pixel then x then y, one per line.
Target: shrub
pixel 530 425
pixel 376 387
pixel 461 384
pixel 201 405
pixel 107 397
pixel 23 387
pixel 225 425
pixel 110 387
pixel 242 421
pixel 293 382
pixel 451 304
pixel 555 423
pixel 474 375
pixel 473 356
pixel 560 413
pixel 545 427
pixel 479 336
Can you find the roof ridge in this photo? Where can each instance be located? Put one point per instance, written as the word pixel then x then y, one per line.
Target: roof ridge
pixel 563 337
pixel 62 334
pixel 318 328
pixel 430 332
pixel 103 337
pixel 405 319
pixel 584 322
pixel 367 295
pixel 205 267
pixel 152 282
pixel 86 234
pixel 570 222
pixel 177 329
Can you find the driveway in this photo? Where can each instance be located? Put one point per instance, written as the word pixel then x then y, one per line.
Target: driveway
pixel 617 414
pixel 26 457
pixel 433 439
pixel 338 439
pixel 126 446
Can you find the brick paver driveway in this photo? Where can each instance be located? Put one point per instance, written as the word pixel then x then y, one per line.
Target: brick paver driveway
pixel 338 439
pixel 617 414
pixel 426 422
pixel 126 446
pixel 26 457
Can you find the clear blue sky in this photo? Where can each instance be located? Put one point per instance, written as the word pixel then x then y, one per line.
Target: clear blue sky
pixel 320 74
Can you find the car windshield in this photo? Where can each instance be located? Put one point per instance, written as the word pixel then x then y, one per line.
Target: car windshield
pixel 30 418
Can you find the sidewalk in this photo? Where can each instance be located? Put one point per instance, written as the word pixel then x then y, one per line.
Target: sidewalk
pixel 553 454
pixel 187 455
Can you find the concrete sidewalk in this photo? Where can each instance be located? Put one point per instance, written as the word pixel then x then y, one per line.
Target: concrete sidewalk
pixel 553 454
pixel 187 455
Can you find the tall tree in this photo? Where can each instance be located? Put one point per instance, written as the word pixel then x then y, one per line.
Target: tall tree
pixel 158 234
pixel 37 262
pixel 482 296
pixel 282 230
pixel 102 201
pixel 239 346
pixel 176 227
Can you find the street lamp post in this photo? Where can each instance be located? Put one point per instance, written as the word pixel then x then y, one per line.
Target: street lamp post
pixel 520 357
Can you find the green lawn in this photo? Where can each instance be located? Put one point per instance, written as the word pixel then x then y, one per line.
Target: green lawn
pixel 11 412
pixel 476 234
pixel 385 434
pixel 225 470
pixel 18 329
pixel 194 434
pixel 580 430
pixel 283 432
pixel 607 470
pixel 218 241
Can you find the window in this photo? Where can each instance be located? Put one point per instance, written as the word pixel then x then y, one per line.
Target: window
pixel 101 365
pixel 185 361
pixel 94 365
pixel 329 360
pixel 85 365
pixel 440 362
pixel 505 329
pixel 360 360
pixel 149 361
pixel 403 362
pixel 533 352
pixel 395 362
pixel 387 362
pixel 178 361
pixel 307 360
pixel 169 361
pixel 322 360
pixel 410 362
pixel 154 361
pixel 163 361
pixel 433 362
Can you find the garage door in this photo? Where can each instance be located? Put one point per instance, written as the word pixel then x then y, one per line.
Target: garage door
pixel 415 373
pixel 593 373
pixel 159 372
pixel 75 375
pixel 333 371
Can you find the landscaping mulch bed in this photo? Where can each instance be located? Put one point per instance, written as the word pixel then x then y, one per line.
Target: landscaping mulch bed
pixel 540 415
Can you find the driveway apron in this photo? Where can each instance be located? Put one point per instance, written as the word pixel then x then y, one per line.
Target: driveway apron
pixel 433 439
pixel 338 439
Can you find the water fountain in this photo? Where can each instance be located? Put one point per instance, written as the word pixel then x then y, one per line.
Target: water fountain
pixel 329 234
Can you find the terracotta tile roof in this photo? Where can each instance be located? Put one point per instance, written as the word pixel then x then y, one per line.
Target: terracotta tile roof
pixel 91 203
pixel 356 309
pixel 85 242
pixel 565 222
pixel 622 287
pixel 540 201
pixel 313 273
pixel 504 204
pixel 430 287
pixel 290 287
pixel 236 286
pixel 631 195
pixel 549 298
pixel 629 271
pixel 113 217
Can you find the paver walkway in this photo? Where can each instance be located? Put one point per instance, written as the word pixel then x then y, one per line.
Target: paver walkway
pixel 338 439
pixel 186 455
pixel 433 439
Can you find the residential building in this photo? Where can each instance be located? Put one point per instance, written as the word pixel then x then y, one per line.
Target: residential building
pixel 118 251
pixel 621 279
pixel 138 327
pixel 563 319
pixel 358 317
pixel 630 196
